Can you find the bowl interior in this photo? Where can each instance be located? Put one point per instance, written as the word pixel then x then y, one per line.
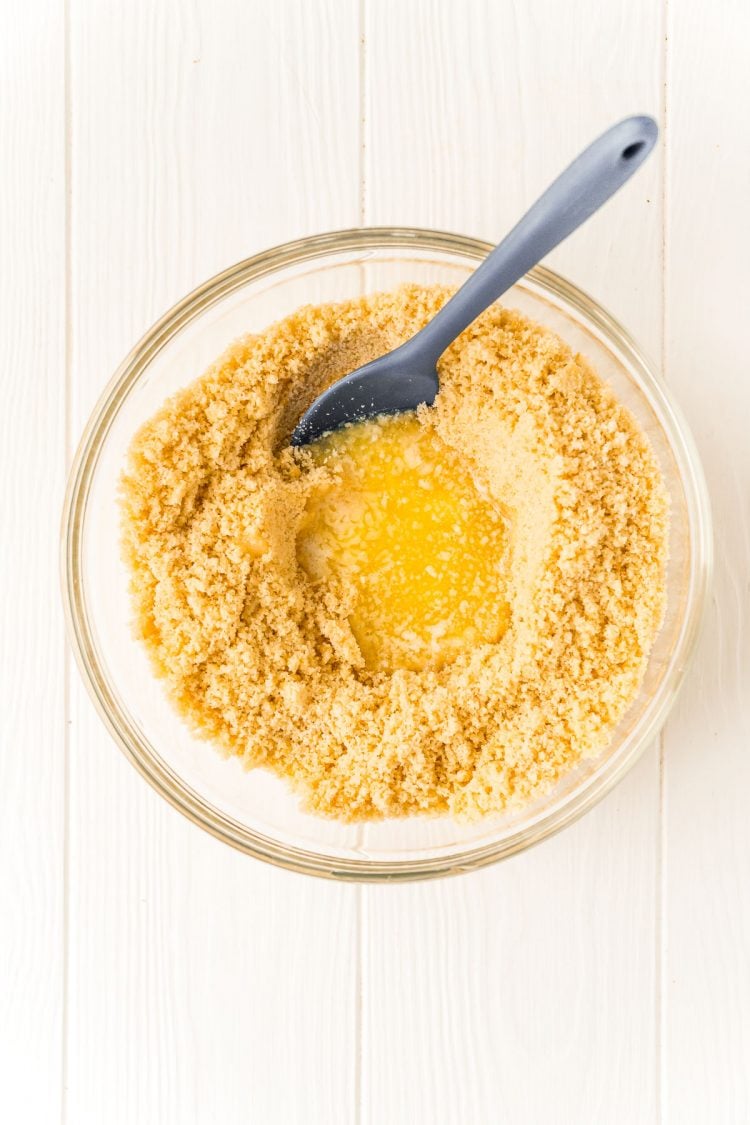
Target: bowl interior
pixel 253 809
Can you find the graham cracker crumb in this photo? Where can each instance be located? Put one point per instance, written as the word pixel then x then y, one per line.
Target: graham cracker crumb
pixel 264 663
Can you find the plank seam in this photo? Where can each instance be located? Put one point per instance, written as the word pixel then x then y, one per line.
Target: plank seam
pixel 362 111
pixel 67 453
pixel 661 872
pixel 358 1006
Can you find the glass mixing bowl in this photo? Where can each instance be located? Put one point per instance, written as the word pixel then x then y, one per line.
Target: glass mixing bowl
pixel 254 811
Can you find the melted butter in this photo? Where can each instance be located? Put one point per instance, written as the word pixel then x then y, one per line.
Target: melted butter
pixel 401 527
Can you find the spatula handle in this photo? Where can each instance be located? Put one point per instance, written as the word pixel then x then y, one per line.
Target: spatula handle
pixel 575 195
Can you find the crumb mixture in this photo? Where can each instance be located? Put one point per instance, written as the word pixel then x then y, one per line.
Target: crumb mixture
pixel 259 649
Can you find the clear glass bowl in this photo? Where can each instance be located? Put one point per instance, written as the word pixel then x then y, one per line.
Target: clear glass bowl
pixel 254 811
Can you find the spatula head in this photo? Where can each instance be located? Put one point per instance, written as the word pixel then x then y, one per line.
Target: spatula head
pixel 385 386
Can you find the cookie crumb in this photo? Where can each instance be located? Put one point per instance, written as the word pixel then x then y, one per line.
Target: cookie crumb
pixel 264 662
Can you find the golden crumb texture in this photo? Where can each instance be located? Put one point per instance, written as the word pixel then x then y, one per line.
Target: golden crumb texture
pixel 262 660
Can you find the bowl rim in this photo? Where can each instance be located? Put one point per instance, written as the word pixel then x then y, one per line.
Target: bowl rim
pixel 80 635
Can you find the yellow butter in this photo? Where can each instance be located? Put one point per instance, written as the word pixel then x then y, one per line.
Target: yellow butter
pixel 400 524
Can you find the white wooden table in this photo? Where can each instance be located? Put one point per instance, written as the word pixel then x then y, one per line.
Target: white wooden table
pixel 149 974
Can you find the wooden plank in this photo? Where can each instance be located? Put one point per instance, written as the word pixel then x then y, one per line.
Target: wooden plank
pixel 525 993
pixel 203 986
pixel 707 779
pixel 32 467
pixel 471 113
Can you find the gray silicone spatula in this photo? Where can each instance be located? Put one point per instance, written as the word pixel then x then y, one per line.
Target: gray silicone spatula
pixel 407 376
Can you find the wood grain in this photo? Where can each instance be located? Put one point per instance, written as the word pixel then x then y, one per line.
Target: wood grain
pixel 526 993
pixel 203 986
pixel 32 470
pixel 707 760
pixel 472 109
